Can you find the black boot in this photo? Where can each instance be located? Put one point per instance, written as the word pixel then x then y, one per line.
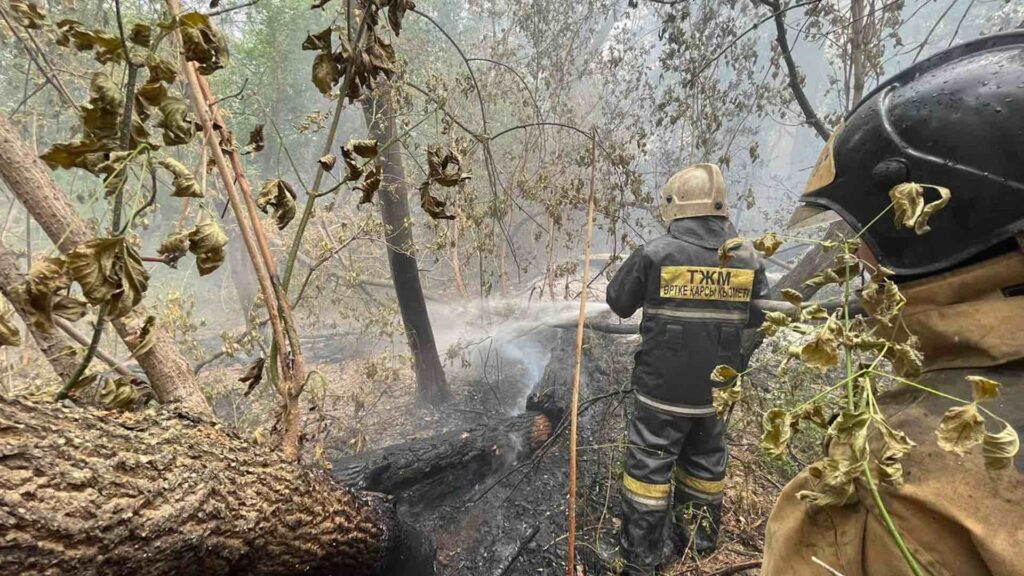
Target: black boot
pixel 697 523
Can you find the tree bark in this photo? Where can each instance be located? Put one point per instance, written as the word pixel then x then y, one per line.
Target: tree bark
pixel 429 469
pixel 86 492
pixel 394 202
pixel 54 346
pixel 32 184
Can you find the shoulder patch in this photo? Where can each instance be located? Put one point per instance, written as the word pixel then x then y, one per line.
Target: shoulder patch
pixel 707 283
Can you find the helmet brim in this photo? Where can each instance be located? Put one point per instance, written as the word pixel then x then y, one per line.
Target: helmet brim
pixel 807 216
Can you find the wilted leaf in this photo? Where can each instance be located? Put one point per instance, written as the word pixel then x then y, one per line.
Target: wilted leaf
pixel 161 69
pixel 768 244
pixel 109 270
pixel 278 194
pixel 833 482
pixel 327 162
pixel 118 394
pixel 184 182
pixel 42 295
pixel 1000 449
pixel 321 41
pixel 727 250
pixel 822 352
pixel 101 116
pixel 813 413
pixel 256 141
pixel 723 373
pixel 253 375
pixel 27 14
pixel 883 300
pixel 141 35
pixel 144 339
pixel 793 297
pixel 961 429
pixel 353 168
pixel 906 360
pixel 432 205
pixel 207 242
pixel 202 42
pixel 74 34
pixel 9 333
pixel 369 186
pixel 396 13
pixel 365 148
pixel 773 321
pixel 845 267
pixel 910 208
pixel 813 312
pixel 177 127
pixel 776 430
pixel 444 166
pixel 897 445
pixel 984 388
pixel 725 397
pixel 326 72
pixel 174 248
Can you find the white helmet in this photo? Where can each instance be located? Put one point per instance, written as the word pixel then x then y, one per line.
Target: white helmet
pixel 696 191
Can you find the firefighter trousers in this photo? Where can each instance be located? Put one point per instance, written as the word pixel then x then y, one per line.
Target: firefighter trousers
pixel 672 463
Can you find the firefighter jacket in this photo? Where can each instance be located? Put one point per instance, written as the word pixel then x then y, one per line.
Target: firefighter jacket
pixel 694 311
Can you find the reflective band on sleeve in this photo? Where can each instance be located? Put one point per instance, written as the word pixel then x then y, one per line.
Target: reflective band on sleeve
pixel 699 314
pixel 653 495
pixel 701 487
pixel 682 410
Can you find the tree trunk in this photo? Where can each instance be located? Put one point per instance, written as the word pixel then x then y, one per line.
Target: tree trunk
pixel 32 184
pixel 430 469
pixel 54 346
pixel 85 492
pixel 394 202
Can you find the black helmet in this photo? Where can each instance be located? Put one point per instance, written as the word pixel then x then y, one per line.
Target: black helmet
pixel 954 120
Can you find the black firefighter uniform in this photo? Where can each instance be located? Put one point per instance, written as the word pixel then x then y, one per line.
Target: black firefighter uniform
pixel 694 313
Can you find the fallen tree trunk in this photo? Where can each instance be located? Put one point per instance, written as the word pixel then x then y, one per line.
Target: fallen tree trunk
pixel 441 465
pixel 86 492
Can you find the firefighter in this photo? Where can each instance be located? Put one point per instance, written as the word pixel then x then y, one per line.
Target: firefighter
pixel 955 120
pixel 695 308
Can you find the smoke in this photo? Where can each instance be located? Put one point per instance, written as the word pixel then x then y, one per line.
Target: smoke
pixel 510 338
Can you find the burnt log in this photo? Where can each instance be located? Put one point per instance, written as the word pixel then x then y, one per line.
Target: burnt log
pixel 161 494
pixel 427 469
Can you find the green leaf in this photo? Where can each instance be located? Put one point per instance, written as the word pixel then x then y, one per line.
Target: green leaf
pixel 768 244
pixel 1000 449
pixel 961 429
pixel 984 388
pixel 184 182
pixel 776 430
pixel 202 42
pixel 723 373
pixel 109 270
pixel 280 196
pixel 207 241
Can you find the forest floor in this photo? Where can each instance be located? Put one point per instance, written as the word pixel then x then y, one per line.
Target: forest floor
pixel 515 522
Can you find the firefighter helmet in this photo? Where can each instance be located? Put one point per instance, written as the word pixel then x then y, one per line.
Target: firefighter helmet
pixel 954 120
pixel 696 191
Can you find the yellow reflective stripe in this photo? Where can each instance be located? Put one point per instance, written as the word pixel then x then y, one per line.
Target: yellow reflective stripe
pixel 705 486
pixel 656 491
